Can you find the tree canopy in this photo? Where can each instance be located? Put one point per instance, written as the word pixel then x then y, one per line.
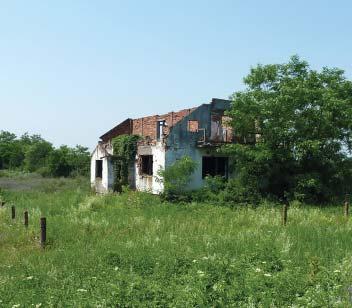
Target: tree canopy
pixel 293 127
pixel 34 154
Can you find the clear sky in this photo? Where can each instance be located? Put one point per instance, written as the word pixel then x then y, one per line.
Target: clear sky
pixel 71 70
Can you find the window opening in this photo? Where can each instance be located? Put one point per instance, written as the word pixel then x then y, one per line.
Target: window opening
pixel 215 166
pixel 147 164
pixel 99 168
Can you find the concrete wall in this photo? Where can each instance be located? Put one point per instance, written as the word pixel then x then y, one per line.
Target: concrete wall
pixel 147 182
pixel 183 142
pixel 197 155
pixel 106 182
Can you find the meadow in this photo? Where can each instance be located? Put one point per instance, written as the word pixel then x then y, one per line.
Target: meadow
pixel 133 250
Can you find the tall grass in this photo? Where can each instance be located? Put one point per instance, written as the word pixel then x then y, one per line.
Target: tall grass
pixel 133 250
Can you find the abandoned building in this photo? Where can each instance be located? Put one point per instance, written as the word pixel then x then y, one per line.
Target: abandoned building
pixel 195 132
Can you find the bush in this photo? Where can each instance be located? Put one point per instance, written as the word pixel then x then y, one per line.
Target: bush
pixel 176 178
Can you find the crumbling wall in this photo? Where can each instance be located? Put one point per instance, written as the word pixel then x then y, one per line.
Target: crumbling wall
pixel 184 139
pixel 124 128
pixel 145 182
pixel 147 126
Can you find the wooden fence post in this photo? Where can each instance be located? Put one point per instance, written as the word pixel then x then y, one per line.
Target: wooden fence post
pixel 284 213
pixel 42 232
pixel 346 205
pixel 26 219
pixel 13 212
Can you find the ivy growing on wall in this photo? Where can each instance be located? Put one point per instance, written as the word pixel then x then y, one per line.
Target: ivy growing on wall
pixel 124 153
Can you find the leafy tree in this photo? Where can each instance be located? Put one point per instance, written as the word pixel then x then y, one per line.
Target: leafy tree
pixel 11 153
pixel 37 154
pixel 59 164
pixel 293 127
pixel 66 161
pixel 79 159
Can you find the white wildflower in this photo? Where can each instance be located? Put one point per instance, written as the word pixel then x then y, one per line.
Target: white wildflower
pixel 337 271
pixel 194 261
pixel 258 270
pixel 267 275
pixel 16 306
pixel 116 268
pixel 201 273
pixel 29 278
pixel 82 290
pixel 38 305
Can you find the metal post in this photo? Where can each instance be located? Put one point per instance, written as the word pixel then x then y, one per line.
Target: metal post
pixel 42 232
pixel 13 212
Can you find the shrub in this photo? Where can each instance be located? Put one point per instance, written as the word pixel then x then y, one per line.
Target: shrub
pixel 176 178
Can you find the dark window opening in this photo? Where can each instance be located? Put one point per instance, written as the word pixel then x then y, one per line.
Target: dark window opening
pixel 98 168
pixel 215 166
pixel 159 129
pixel 147 164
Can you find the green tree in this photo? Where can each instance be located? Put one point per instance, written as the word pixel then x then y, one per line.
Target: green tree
pixel 293 127
pixel 11 151
pixel 59 162
pixel 37 155
pixel 66 161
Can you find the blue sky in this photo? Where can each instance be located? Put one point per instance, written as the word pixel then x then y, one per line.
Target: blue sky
pixel 71 70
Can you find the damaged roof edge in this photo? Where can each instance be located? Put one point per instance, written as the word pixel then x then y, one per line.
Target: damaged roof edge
pixel 125 126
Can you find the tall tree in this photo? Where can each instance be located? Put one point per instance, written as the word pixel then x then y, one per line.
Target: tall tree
pixel 294 130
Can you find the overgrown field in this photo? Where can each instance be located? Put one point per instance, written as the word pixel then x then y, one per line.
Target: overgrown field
pixel 133 250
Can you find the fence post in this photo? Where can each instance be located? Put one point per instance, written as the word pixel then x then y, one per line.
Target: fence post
pixel 26 219
pixel 2 203
pixel 347 205
pixel 284 213
pixel 13 212
pixel 42 232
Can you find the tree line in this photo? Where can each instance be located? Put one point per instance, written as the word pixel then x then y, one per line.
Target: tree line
pixel 32 153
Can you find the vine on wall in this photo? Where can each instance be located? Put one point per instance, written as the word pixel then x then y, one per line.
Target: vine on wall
pixel 124 153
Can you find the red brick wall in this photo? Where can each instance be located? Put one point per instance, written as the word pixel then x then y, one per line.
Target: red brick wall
pixel 123 128
pixel 147 126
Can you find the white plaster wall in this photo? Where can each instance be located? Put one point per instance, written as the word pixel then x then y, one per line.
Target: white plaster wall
pixel 107 180
pixel 151 183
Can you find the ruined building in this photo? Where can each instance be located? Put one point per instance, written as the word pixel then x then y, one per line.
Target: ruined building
pixel 195 132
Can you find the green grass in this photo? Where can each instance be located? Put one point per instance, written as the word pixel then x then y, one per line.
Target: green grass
pixel 132 250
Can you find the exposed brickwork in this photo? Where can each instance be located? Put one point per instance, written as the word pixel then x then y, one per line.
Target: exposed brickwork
pixel 124 127
pixel 146 126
